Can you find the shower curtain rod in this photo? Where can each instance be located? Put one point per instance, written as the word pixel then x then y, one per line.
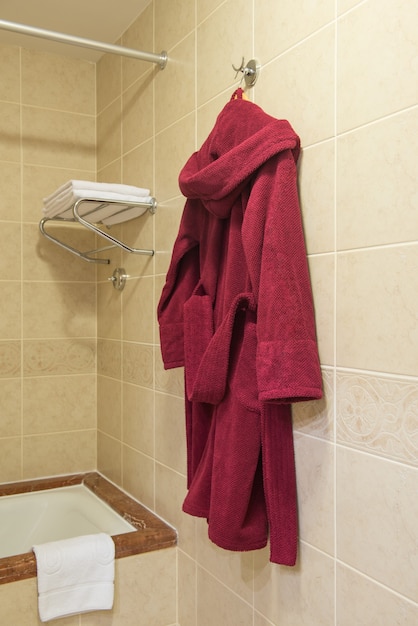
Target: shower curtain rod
pixel 151 57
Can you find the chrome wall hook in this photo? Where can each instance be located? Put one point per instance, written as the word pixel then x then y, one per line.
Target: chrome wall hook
pixel 250 71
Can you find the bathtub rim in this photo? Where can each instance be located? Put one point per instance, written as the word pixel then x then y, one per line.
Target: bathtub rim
pixel 151 532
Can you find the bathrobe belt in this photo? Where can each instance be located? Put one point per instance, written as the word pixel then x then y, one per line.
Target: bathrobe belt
pixel 207 353
pixel 210 358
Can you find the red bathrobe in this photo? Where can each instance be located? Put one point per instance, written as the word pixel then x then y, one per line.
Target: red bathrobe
pixel 237 312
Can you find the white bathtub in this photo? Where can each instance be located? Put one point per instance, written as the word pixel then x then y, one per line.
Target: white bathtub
pixel 33 518
pixel 43 510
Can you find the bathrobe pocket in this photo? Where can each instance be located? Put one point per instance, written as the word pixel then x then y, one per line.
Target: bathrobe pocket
pixel 208 381
pixel 198 332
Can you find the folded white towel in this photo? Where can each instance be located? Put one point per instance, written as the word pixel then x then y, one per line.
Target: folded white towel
pixel 62 206
pixel 124 216
pixel 75 575
pixel 74 185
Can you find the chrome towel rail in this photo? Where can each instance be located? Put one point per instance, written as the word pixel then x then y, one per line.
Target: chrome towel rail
pixel 113 241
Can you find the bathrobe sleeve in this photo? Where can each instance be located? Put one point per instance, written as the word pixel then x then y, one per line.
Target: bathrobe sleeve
pixel 181 280
pixel 287 362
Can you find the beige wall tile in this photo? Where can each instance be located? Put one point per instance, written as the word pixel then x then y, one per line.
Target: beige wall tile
pixel 174 147
pixel 137 106
pixel 138 310
pixel 170 444
pixel 58 310
pixel 11 249
pixel 138 418
pixel 259 620
pixel 10 408
pixel 138 475
pixel 376 304
pixel 167 221
pixel 376 513
pixel 62 453
pixel 305 98
pixel 145 592
pixel 322 271
pixel 301 595
pixel 57 138
pixel 109 457
pixel 10 73
pixel 228 608
pixel 233 569
pixel 376 61
pixel 67 84
pixel 109 406
pixel 109 308
pixel 378 415
pixel 61 404
pixel 10 202
pixel 186 590
pixel 174 20
pixel 109 134
pixel 207 114
pixel 317 196
pixel 138 167
pixel 222 41
pixel 345 5
pixel 109 80
pixel 10 319
pixel 361 601
pixel 383 153
pixel 278 26
pixel 170 491
pixel 10 132
pixel 10 459
pixel 175 90
pixel 205 8
pixel 111 172
pixel 315 484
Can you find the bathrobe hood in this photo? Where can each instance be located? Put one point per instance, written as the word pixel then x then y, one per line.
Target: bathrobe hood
pixel 240 143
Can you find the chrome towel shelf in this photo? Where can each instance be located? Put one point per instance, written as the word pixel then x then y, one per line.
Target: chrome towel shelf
pixel 88 255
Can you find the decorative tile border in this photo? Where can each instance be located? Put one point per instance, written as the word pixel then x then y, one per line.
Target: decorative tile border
pixel 46 357
pixel 10 359
pixel 137 364
pixel 109 359
pixel 378 414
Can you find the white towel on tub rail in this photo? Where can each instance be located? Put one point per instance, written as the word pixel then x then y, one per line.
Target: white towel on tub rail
pixel 75 575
